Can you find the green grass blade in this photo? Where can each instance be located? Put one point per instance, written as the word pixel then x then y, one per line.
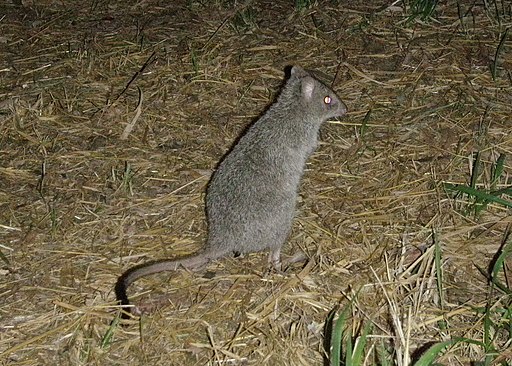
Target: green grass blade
pixel 358 354
pixel 476 170
pixel 498 284
pixel 479 204
pixel 507 191
pixel 364 125
pixel 488 326
pixel 106 341
pixel 478 194
pixel 439 269
pixel 497 171
pixel 433 352
pixel 508 316
pixel 499 265
pixel 348 352
pixel 383 355
pixel 337 337
pixel 494 66
pixel 439 276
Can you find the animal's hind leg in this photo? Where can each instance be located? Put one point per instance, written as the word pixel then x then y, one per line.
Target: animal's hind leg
pixel 298 256
pixel 274 258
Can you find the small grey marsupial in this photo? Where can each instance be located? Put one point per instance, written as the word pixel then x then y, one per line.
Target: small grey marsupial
pixel 250 199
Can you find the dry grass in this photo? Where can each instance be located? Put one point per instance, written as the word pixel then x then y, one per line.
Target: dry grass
pixel 113 115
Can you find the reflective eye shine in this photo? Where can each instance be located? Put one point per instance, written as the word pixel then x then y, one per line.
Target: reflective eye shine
pixel 327 99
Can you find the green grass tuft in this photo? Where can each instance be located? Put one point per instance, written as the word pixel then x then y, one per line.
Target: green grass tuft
pixel 349 348
pixel 244 19
pixel 303 4
pixel 107 339
pixel 423 9
pixel 481 197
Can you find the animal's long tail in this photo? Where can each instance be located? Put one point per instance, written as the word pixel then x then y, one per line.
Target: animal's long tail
pixel 127 278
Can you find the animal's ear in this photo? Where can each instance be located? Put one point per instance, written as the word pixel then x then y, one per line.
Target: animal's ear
pixel 307 87
pixel 298 72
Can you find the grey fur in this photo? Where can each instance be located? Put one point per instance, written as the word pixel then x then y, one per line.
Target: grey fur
pixel 250 200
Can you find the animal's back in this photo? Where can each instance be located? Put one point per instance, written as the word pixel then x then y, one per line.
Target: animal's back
pixel 251 198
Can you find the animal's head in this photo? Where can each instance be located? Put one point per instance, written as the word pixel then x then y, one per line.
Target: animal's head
pixel 317 98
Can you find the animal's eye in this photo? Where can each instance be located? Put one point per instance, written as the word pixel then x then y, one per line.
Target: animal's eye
pixel 327 99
